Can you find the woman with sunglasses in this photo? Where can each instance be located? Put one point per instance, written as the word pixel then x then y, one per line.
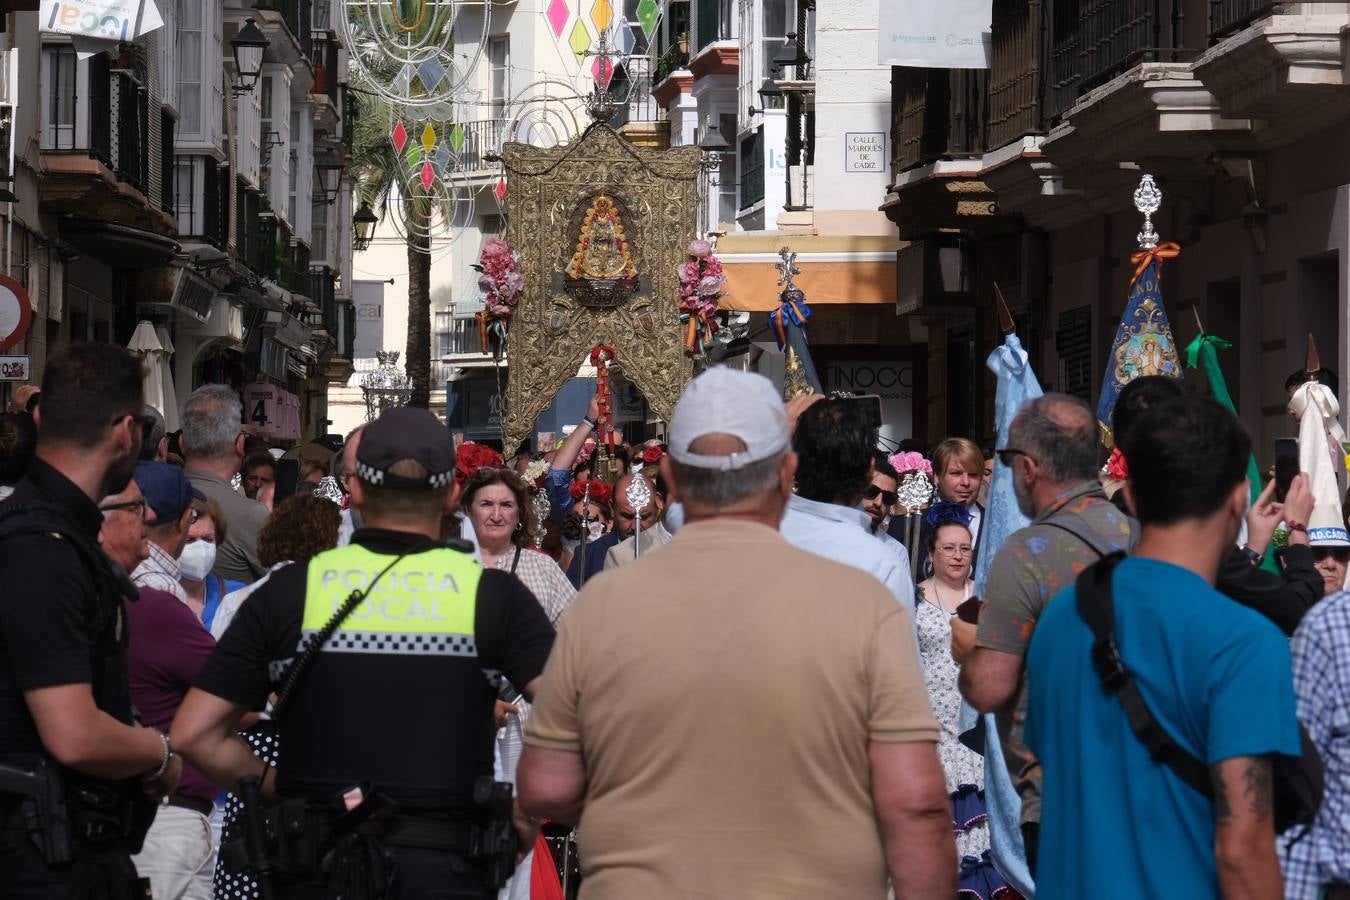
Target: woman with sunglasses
pixel 950 550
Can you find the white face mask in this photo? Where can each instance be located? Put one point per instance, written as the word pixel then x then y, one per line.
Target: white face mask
pixel 197 561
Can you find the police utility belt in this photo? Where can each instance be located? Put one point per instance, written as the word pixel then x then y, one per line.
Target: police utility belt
pixel 347 839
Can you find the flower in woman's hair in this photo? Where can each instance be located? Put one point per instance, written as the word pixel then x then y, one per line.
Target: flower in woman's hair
pixel 652 455
pixel 1116 467
pixel 944 512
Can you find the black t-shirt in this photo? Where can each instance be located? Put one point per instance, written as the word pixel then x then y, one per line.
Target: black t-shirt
pixel 58 619
pixel 418 727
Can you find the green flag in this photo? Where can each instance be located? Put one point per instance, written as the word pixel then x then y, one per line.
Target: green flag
pixel 1203 353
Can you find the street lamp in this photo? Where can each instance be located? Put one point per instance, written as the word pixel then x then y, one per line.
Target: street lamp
pixel 365 222
pixel 767 91
pixel 329 166
pixel 248 46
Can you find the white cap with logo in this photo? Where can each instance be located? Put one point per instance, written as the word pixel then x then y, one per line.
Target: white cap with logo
pixel 726 401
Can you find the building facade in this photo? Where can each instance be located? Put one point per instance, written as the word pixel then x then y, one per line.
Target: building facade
pixel 1022 177
pixel 155 185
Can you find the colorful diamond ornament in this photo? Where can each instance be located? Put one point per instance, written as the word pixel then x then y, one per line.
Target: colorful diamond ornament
pixel 500 190
pixel 602 70
pixel 580 40
pixel 428 138
pixel 649 16
pixel 602 13
pixel 457 138
pixel 399 137
pixel 557 14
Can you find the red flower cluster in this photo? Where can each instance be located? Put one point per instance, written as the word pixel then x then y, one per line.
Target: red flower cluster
pixel 652 455
pixel 471 457
pixel 600 491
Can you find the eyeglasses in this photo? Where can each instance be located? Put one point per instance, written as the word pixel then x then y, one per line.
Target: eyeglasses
pixel 1008 454
pixel 137 505
pixel 956 549
pixel 1340 554
pixel 888 498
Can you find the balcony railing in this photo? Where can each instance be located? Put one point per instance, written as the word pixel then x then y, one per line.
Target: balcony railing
pixel 1015 82
pixel 300 281
pixel 167 181
pixel 323 291
pixel 463 337
pixel 481 138
pixel 752 175
pixel 1095 40
pixel 298 17
pixel 1229 16
pixel 714 22
pixel 248 226
pixel 674 58
pixel 634 85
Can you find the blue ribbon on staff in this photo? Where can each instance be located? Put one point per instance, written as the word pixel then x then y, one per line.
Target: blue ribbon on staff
pixel 790 312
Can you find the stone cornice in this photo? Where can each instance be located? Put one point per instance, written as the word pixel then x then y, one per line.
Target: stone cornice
pixel 721 58
pixel 681 81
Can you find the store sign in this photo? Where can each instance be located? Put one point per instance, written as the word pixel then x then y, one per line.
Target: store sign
pixel 16 312
pixel 15 368
pixel 865 151
pixel 892 381
pixel 936 34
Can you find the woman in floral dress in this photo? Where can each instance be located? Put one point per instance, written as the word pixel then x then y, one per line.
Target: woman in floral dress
pixel 950 550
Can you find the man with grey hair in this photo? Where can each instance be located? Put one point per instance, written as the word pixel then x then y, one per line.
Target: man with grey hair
pixel 748 698
pixel 213 444
pixel 1053 453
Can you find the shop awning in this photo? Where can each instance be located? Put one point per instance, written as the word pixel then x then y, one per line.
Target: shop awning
pixel 857 269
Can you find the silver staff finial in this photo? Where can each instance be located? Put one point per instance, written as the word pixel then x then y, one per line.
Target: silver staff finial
pixel 639 496
pixel 787 269
pixel 1147 199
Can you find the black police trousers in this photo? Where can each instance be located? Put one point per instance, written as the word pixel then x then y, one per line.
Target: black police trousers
pixel 104 873
pixel 422 875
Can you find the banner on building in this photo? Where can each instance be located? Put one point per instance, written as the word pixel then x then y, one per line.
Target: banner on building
pixel 96 25
pixel 935 34
pixel 368 300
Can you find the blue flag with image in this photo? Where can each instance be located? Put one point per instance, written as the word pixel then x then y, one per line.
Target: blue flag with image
pixel 1144 344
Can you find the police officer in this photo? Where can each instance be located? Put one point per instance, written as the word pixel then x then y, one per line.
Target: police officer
pixel 388 728
pixel 75 769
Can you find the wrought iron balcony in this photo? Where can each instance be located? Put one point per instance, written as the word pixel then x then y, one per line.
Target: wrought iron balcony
pixel 633 85
pixel 482 138
pixel 1016 84
pixel 1095 40
pixel 1229 16
pixel 941 114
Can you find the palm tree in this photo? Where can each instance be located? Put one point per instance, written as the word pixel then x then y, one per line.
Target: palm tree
pixel 383 180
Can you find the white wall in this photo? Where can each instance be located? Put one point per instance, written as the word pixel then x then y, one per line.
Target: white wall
pixel 853 95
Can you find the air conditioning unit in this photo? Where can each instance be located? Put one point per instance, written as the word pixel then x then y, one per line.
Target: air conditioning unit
pixel 178 288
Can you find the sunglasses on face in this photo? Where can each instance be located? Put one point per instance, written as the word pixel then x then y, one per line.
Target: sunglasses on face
pixel 888 498
pixel 1340 554
pixel 1008 455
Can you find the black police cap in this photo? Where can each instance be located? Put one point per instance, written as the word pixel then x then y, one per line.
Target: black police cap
pixel 406 433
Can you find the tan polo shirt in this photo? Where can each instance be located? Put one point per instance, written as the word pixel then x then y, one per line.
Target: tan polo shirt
pixel 723 693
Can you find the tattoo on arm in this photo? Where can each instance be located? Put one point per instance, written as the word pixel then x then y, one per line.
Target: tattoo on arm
pixel 1256 791
pixel 1256 787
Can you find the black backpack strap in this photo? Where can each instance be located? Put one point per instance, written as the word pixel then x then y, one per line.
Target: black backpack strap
pixel 1096 605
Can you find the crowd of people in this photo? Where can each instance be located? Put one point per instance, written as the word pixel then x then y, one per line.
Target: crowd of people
pixel 732 659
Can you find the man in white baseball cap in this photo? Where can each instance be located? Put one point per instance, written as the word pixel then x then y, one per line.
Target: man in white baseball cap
pixel 759 683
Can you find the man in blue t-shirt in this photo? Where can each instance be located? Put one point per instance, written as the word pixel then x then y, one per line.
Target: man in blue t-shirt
pixel 1216 675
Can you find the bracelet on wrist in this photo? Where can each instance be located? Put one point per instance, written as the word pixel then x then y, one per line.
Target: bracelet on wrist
pixel 589 421
pixel 168 757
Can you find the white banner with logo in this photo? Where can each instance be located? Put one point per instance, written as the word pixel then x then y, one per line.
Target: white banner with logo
pixel 935 34
pixel 96 25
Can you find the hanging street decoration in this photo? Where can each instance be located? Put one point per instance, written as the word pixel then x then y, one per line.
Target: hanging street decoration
pixel 701 283
pixel 501 283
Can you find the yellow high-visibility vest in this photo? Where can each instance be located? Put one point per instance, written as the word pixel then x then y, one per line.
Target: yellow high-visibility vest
pixel 425 604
